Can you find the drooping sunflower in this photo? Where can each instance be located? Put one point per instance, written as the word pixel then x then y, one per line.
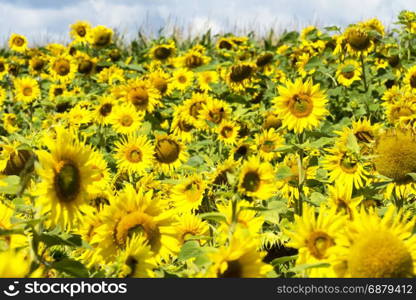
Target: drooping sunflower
pixel 348 72
pixel 163 52
pixel 314 236
pixel 357 40
pixel 26 89
pixel 257 179
pixel 126 119
pixel 131 214
pixel 187 196
pixel 137 260
pixel 80 31
pixel 394 157
pixel 228 132
pixel 300 105
pixel 18 43
pixel 376 247
pixel 134 154
pixel 170 153
pixel 62 68
pixel 239 259
pixel 66 175
pixel 267 143
pixel 100 36
pixel 346 168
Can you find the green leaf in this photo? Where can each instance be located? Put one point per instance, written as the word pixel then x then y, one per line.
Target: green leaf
pixel 12 185
pixel 282 260
pixel 313 63
pixel 352 143
pixel 71 267
pixel 189 250
pixel 55 239
pixel 214 216
pixel 283 172
pixel 413 175
pixel 348 68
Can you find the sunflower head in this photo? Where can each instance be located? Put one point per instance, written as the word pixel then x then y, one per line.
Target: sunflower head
pixel 358 38
pixel 100 36
pixel 396 155
pixel 18 42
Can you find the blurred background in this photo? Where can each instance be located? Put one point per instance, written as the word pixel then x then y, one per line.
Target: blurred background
pixel 48 20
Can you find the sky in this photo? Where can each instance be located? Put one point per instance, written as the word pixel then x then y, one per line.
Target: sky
pixel 48 20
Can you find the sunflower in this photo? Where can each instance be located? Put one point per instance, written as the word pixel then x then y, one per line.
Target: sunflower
pixel 137 260
pixel 239 259
pixel 213 112
pixel 342 201
pixel 187 196
pixel 181 80
pixel 395 158
pixel 358 41
pixel 240 76
pixel 80 31
pixel 410 77
pixel 205 79
pixel 228 132
pixel 376 247
pixel 66 175
pixel 257 179
pixel 142 95
pixel 13 157
pixel 126 119
pixel 57 90
pixel 26 89
pixel 100 36
pixel 14 264
pixel 193 59
pixel 134 154
pixel 104 110
pixel 181 127
pixel 18 43
pixel 346 168
pixel 163 52
pixel 10 122
pixel 135 213
pixel 37 65
pixel 160 81
pixel 192 107
pixel 111 75
pixel 267 144
pixel 348 72
pixel 314 236
pixel 62 68
pixel 300 105
pixel 189 227
pixel 242 151
pixel 170 153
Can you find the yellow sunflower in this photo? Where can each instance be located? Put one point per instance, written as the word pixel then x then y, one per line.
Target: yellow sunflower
pixel 357 40
pixel 257 179
pixel 205 79
pixel 228 132
pixel 376 247
pixel 187 196
pixel 181 80
pixel 100 36
pixel 181 127
pixel 80 31
pixel 314 236
pixel 346 168
pixel 142 95
pixel 300 105
pixel 66 174
pixel 267 143
pixel 189 226
pixel 348 72
pixel 18 43
pixel 126 119
pixel 170 153
pixel 134 154
pixel 104 110
pixel 213 112
pixel 342 201
pixel 62 68
pixel 163 52
pixel 239 259
pixel 410 77
pixel 240 76
pixel 26 89
pixel 137 260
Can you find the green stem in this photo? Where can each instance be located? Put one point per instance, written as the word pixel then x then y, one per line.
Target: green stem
pixel 363 70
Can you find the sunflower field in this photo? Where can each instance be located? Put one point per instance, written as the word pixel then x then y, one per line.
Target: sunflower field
pixel 216 156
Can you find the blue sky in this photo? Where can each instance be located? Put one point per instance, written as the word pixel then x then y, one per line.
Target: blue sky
pixel 48 20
